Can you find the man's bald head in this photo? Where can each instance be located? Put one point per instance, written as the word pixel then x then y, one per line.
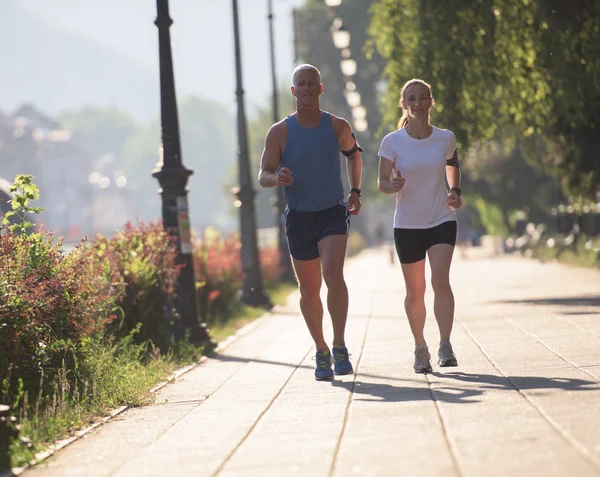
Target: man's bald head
pixel 304 67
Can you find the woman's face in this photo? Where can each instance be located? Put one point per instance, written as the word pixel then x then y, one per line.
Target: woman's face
pixel 417 101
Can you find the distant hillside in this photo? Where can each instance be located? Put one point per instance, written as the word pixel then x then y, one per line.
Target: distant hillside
pixel 75 70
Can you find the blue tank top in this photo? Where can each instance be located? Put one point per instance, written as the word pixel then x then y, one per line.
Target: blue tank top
pixel 313 156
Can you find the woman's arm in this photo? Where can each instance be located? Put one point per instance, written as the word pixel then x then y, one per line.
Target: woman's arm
pixel 453 178
pixel 389 180
pixel 453 171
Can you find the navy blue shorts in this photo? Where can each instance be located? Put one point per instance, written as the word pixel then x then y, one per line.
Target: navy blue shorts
pixel 305 230
pixel 412 244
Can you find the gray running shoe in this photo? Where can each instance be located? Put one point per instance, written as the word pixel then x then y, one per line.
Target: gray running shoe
pixel 446 355
pixel 422 357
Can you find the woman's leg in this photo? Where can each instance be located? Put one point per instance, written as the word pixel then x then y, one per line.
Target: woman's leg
pixel 414 303
pixel 440 258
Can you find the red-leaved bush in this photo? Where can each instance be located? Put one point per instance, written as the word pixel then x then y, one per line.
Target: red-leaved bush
pixel 48 302
pixel 218 269
pixel 219 274
pixel 138 269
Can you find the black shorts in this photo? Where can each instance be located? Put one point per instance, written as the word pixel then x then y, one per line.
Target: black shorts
pixel 412 244
pixel 304 230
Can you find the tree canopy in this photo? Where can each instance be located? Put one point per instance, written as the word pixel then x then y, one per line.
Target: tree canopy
pixel 524 71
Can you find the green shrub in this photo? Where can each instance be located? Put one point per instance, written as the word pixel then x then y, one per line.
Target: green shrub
pixel 138 269
pixel 48 302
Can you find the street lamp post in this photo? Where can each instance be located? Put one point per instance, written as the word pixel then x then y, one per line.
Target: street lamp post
pixel 172 176
pixel 252 287
pixel 285 262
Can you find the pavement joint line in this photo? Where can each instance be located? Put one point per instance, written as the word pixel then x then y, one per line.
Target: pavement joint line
pixel 350 397
pixel 51 450
pixel 536 339
pixel 576 445
pixel 452 447
pixel 559 317
pixel 222 346
pixel 260 416
pixel 576 325
pixel 566 360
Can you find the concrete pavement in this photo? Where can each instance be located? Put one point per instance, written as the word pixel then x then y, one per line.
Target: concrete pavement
pixel 525 399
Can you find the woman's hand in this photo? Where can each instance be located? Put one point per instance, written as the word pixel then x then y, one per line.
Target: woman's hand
pixel 397 181
pixel 454 199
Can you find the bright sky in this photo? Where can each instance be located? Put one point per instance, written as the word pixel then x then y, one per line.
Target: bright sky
pixel 202 35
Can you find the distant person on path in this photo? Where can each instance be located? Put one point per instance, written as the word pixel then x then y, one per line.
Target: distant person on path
pixel 379 233
pixel 302 154
pixel 414 162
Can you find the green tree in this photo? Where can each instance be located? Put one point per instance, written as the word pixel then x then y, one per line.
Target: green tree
pixel 501 176
pixel 507 70
pixel 99 130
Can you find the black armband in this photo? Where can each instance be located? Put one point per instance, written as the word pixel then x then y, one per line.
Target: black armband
pixel 353 150
pixel 453 161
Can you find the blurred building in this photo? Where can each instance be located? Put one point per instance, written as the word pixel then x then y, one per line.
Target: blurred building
pixel 81 193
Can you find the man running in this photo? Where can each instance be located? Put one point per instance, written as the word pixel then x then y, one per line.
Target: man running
pixel 302 154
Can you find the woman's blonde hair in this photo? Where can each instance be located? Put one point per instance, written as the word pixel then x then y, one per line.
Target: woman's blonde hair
pixel 404 119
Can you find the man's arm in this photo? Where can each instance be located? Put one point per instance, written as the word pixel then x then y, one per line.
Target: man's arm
pixel 350 148
pixel 271 158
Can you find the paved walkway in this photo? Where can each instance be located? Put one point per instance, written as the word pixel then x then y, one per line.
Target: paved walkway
pixel 525 400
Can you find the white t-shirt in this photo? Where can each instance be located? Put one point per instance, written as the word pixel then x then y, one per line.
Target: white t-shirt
pixel 423 201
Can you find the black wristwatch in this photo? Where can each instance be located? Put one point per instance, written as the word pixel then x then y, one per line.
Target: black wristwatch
pixel 457 190
pixel 354 189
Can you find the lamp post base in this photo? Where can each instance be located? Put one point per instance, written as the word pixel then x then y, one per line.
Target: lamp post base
pixel 256 299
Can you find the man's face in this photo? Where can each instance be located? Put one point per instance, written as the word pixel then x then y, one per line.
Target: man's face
pixel 308 87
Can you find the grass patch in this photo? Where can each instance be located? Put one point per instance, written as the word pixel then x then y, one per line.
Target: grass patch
pixel 111 376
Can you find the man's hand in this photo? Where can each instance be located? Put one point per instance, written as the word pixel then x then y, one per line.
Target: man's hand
pixel 397 181
pixel 285 177
pixel 354 203
pixel 454 199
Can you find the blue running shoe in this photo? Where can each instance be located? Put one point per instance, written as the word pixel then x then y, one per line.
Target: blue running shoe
pixel 341 360
pixel 323 371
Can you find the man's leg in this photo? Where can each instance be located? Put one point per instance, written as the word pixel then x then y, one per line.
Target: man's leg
pixel 332 250
pixel 308 273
